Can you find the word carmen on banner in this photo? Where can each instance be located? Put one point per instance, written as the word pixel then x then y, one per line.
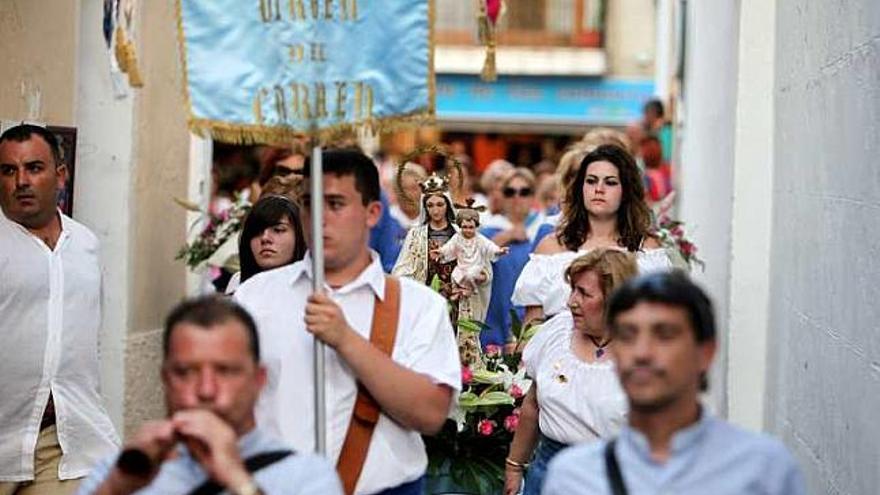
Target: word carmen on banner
pixel 308 10
pixel 298 101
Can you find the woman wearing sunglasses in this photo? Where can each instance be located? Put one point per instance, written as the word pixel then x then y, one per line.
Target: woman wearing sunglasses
pixel 518 191
pixel 603 208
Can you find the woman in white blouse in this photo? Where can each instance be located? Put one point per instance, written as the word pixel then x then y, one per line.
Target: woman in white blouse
pixel 575 395
pixel 603 208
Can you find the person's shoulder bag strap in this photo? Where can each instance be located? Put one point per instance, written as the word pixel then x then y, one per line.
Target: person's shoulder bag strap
pixel 366 409
pixel 615 477
pixel 252 464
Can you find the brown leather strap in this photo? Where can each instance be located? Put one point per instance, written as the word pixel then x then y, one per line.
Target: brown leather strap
pixel 366 410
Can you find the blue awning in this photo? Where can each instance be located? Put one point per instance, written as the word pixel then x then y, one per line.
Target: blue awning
pixel 541 100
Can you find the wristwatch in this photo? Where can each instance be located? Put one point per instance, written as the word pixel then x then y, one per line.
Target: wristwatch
pixel 249 487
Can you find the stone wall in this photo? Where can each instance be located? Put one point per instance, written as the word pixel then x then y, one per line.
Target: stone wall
pixel 824 390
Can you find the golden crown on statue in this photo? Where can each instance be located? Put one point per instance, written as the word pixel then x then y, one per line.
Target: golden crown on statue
pixel 434 185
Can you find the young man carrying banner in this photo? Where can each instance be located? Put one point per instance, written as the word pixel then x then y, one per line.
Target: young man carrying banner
pixel 392 368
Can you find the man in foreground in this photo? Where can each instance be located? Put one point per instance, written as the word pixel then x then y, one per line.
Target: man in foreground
pixel 664 332
pixel 392 363
pixel 209 442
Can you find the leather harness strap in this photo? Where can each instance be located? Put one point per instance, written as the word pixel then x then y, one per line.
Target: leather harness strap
pixel 366 409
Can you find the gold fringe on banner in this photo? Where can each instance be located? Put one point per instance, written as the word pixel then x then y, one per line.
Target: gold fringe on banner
pixel 284 135
pixel 126 58
pixel 486 36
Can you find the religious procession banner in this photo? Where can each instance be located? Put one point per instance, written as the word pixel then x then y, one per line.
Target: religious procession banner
pixel 268 71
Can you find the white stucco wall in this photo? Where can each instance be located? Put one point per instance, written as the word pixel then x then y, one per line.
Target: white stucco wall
pixel 824 394
pixel 706 173
pixel 751 217
pixel 101 196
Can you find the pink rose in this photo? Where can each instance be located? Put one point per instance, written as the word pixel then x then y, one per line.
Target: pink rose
pixel 688 249
pixel 493 350
pixel 515 391
pixel 485 427
pixel 678 231
pixel 511 422
pixel 466 375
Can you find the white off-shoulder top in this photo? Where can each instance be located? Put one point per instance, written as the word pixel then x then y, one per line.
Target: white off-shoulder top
pixel 578 401
pixel 542 281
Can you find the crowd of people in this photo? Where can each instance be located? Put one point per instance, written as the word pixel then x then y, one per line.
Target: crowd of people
pixel 623 342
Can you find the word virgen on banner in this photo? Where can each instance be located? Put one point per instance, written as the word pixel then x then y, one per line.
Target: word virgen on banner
pixel 270 70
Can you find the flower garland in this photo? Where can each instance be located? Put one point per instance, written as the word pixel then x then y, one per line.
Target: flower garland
pixel 219 229
pixel 672 234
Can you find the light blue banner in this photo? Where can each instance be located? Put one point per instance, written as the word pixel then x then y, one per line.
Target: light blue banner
pixel 264 70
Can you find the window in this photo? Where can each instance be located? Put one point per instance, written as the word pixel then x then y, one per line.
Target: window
pixel 526 22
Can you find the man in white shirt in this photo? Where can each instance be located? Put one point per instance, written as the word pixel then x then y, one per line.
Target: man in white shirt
pixel 54 424
pixel 413 389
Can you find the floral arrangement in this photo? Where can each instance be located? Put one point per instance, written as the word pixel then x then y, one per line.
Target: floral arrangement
pixel 672 234
pixel 219 228
pixel 468 454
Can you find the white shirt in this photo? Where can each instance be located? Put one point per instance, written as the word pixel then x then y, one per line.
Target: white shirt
pixel 542 281
pixel 425 343
pixel 579 401
pixel 50 313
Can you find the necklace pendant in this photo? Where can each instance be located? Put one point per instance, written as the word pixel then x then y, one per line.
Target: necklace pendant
pixel 600 352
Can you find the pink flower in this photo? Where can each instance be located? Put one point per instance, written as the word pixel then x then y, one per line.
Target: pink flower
pixel 511 422
pixel 466 375
pixel 678 231
pixel 493 350
pixel 485 427
pixel 515 391
pixel 688 249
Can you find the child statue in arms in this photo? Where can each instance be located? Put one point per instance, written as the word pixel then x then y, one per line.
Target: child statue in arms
pixel 471 250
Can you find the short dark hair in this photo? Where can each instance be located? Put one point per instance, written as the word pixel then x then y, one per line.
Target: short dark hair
pixel 655 105
pixel 23 132
pixel 267 212
pixel 352 162
pixel 206 312
pixel 674 288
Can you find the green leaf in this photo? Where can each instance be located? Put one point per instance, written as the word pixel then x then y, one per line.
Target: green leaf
pixel 471 326
pixel 530 332
pixel 496 398
pixel 488 377
pixel 468 399
pixel 436 283
pixel 516 324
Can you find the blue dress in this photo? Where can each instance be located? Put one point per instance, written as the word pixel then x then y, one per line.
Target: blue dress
pixel 506 271
pixel 386 238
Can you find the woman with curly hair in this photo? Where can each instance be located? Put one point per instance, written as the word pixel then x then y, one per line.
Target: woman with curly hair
pixel 604 208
